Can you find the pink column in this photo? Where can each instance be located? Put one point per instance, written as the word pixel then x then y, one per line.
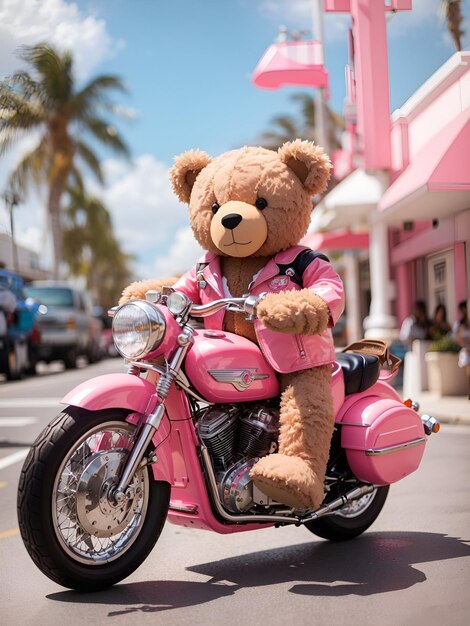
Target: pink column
pixel 404 280
pixel 372 84
pixel 460 272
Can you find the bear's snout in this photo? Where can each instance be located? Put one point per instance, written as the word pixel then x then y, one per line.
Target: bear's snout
pixel 231 220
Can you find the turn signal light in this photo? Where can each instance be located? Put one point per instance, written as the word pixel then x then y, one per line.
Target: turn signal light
pixel 71 323
pixel 411 404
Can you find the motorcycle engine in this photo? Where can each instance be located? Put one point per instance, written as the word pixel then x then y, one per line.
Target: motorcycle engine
pixel 236 436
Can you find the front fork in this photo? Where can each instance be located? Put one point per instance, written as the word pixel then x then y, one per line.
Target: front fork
pixel 153 420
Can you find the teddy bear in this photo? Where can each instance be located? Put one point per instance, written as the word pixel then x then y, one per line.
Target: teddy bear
pixel 248 209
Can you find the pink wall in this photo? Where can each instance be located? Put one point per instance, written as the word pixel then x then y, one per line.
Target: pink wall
pixel 460 274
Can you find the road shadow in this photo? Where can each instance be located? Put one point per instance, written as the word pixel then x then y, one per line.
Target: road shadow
pixel 372 564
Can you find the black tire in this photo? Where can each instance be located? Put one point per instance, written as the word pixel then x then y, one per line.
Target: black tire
pixel 70 360
pixel 40 491
pixel 13 368
pixel 344 526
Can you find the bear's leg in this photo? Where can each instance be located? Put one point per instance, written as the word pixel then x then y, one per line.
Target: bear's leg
pixel 295 474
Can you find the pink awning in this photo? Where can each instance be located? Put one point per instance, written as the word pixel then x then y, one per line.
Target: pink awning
pixel 437 182
pixel 291 63
pixel 336 240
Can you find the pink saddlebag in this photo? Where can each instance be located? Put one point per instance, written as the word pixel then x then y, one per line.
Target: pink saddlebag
pixel 384 440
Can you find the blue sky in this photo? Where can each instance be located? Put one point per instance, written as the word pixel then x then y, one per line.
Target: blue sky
pixel 188 66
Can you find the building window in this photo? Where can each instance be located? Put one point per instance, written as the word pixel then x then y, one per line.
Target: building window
pixel 441 282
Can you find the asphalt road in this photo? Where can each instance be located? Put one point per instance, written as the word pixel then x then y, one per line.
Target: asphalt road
pixel 411 567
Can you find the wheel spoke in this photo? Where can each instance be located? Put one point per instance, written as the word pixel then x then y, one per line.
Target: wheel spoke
pixel 89 525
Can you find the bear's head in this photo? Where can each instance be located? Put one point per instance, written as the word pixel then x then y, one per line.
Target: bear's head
pixel 251 201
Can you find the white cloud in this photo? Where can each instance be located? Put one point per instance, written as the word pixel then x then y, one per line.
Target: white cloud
pixel 32 21
pixel 298 16
pixel 148 219
pixel 182 254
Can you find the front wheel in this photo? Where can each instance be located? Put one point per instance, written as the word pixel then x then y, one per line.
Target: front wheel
pixel 70 524
pixel 352 519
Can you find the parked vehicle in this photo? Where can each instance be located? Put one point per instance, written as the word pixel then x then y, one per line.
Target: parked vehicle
pixel 19 332
pixel 66 322
pixel 131 451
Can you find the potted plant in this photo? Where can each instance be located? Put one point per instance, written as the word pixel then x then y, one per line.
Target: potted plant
pixel 445 377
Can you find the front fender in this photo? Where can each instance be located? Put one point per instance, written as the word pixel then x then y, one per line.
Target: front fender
pixel 124 391
pixel 113 391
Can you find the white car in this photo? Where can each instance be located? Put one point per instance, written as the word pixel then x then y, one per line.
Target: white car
pixel 67 326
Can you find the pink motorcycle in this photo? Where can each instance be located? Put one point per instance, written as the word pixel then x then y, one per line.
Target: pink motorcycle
pixel 175 438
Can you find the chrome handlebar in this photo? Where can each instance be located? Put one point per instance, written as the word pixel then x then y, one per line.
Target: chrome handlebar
pixel 245 305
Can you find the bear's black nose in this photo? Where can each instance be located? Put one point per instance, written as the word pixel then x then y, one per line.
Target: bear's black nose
pixel 231 220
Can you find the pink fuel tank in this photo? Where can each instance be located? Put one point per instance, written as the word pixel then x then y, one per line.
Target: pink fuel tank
pixel 224 367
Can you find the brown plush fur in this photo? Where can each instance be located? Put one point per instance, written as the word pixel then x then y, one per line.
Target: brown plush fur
pixel 295 312
pixel 286 180
pixel 137 290
pixel 296 473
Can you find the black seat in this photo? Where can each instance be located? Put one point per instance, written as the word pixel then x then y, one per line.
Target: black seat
pixel 360 371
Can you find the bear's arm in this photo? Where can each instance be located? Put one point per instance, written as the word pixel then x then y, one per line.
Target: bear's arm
pixel 137 290
pixel 309 311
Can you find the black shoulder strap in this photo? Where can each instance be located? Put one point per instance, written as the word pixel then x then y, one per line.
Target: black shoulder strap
pixel 296 269
pixel 303 260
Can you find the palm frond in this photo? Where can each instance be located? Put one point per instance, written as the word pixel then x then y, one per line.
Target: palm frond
pixel 30 168
pixel 89 157
pixel 95 93
pixel 106 134
pixel 53 68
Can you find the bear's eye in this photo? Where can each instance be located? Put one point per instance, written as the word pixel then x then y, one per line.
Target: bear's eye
pixel 215 207
pixel 261 203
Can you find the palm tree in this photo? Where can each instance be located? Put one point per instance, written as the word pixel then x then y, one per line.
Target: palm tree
pixel 91 249
pixel 48 101
pixel 287 127
pixel 451 10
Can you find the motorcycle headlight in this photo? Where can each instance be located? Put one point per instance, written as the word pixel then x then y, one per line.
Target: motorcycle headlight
pixel 177 302
pixel 138 329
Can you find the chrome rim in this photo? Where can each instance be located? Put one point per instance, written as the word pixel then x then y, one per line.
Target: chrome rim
pixel 357 507
pixel 89 525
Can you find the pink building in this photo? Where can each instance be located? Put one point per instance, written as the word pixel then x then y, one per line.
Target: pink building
pixel 427 206
pixel 411 187
pixel 401 214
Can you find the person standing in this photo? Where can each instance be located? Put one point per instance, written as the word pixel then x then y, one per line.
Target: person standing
pixel 461 333
pixel 440 327
pixel 417 325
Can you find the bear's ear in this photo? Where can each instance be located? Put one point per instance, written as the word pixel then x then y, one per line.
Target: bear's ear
pixel 185 170
pixel 309 163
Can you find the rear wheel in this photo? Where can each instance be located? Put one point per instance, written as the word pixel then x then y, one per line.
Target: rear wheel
pixel 71 526
pixel 352 519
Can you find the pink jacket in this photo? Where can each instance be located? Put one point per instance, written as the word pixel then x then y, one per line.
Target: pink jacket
pixel 285 352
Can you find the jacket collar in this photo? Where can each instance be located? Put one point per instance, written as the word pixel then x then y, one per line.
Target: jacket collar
pixel 213 275
pixel 271 269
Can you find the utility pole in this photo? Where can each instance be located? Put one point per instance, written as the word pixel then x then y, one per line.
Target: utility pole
pixel 12 199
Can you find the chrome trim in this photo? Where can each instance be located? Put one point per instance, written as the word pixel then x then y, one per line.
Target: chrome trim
pixel 180 508
pixel 390 449
pixel 429 424
pixel 269 519
pixel 352 424
pixel 241 379
pixel 204 310
pixel 354 494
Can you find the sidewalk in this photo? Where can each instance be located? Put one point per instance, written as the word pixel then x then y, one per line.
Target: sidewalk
pixel 447 409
